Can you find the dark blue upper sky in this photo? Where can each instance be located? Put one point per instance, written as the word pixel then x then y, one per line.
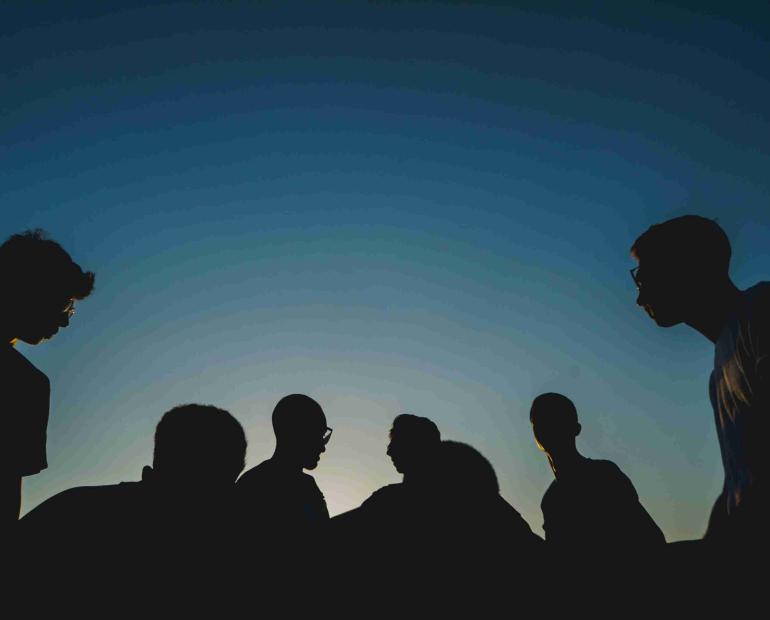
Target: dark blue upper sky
pixel 406 206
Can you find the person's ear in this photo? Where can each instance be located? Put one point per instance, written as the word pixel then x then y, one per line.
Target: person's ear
pixel 578 428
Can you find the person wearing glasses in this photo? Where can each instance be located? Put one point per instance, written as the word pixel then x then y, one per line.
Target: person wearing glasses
pixel 277 496
pixel 682 276
pixel 41 283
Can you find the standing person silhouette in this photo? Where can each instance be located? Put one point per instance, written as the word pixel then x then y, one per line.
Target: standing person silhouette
pixel 41 283
pixel 683 277
pixel 591 506
pixel 277 495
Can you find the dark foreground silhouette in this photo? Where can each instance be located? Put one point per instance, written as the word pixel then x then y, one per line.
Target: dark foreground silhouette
pixel 445 525
pixel 276 496
pixel 41 283
pixel 177 518
pixel 591 507
pixel 683 277
pixel 443 541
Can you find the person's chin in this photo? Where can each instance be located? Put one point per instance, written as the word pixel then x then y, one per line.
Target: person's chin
pixel 37 339
pixel 661 318
pixel 664 321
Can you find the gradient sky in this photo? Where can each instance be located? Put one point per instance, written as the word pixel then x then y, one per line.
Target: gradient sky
pixel 393 207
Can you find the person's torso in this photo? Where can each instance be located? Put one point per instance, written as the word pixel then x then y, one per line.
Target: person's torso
pixel 739 398
pixel 24 413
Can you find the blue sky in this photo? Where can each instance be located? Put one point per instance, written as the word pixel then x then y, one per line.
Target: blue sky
pixel 392 207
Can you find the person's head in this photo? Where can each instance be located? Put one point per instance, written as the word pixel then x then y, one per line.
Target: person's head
pixel 680 261
pixel 300 429
pixel 200 448
pixel 41 283
pixel 554 422
pixel 413 442
pixel 463 473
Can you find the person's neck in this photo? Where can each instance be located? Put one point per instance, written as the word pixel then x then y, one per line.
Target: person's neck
pixel 565 462
pixel 714 310
pixel 415 478
pixel 286 460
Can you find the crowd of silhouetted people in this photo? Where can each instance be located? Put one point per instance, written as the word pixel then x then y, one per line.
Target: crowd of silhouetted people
pixel 196 518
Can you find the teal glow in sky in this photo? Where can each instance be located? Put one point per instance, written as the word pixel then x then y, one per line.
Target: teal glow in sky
pixel 392 207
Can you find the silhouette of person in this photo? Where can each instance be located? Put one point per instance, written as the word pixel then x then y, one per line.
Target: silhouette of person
pixel 174 524
pixel 467 499
pixel 42 284
pixel 591 506
pixel 199 452
pixel 413 444
pixel 277 495
pixel 177 520
pixel 683 277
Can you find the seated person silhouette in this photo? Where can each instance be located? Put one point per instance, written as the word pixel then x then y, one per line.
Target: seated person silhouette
pixel 42 283
pixel 471 510
pixel 413 443
pixel 591 506
pixel 276 495
pixel 181 509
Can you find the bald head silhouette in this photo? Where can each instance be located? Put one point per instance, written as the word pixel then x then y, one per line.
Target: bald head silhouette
pixel 300 430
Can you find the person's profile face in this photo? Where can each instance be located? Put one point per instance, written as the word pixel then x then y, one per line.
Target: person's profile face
pixel 661 292
pixel 44 318
pixel 313 443
pixel 394 451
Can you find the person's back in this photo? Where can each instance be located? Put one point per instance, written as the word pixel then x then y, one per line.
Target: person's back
pixel 595 506
pixel 78 522
pixel 180 514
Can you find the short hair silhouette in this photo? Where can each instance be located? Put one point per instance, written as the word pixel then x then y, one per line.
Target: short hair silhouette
pixel 416 429
pixel 463 469
pixel 294 415
pixel 30 263
pixel 199 442
pixel 554 409
pixel 686 240
pixel 413 441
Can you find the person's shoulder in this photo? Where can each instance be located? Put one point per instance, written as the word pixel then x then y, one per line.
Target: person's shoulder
pixel 759 293
pixel 309 481
pixel 757 302
pixel 550 494
pixel 606 474
pixel 390 490
pixel 257 475
pixel 605 468
pixel 76 500
pixel 18 369
pixel 388 493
